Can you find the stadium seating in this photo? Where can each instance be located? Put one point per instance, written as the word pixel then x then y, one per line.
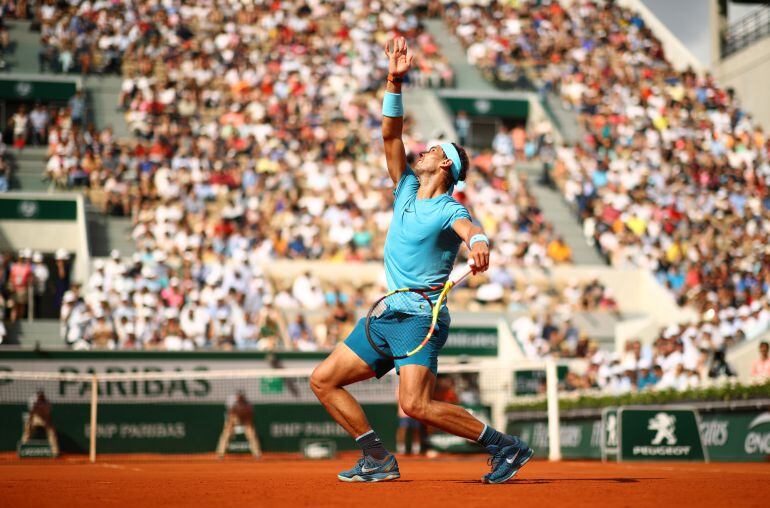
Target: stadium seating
pixel 669 174
pixel 252 144
pixel 260 124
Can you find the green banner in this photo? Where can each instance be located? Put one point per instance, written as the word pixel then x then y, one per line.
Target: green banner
pixel 471 341
pixel 38 209
pixel 191 428
pixel 741 437
pixel 445 442
pixel 659 434
pixel 479 106
pixel 36 90
pixel 532 382
pixel 580 438
pixel 728 436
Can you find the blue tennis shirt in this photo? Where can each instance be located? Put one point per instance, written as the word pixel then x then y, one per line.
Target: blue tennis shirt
pixel 421 246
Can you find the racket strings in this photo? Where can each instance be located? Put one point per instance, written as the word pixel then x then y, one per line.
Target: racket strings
pixel 400 322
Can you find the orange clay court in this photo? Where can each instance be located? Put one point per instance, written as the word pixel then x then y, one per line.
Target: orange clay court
pixel 285 480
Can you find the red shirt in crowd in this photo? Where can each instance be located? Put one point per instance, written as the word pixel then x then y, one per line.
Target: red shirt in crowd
pixel 21 275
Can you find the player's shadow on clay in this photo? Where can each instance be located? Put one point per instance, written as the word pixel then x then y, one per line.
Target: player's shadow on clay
pixel 542 481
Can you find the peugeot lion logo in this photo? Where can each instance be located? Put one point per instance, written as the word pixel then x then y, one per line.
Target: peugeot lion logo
pixel 664 425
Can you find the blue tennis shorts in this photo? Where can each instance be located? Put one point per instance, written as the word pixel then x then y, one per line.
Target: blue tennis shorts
pixel 389 324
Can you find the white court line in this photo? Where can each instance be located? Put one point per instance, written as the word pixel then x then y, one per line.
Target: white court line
pixel 117 466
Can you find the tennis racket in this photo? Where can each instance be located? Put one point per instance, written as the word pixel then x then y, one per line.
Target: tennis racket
pixel 416 321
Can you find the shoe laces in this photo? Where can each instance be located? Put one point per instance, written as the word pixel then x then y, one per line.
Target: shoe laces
pixel 495 458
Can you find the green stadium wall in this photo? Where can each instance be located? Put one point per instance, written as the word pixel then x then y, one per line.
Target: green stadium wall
pixel 190 428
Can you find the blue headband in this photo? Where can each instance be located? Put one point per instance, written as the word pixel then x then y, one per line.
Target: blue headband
pixel 451 153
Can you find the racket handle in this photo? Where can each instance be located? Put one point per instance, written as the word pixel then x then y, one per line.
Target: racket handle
pixel 463 275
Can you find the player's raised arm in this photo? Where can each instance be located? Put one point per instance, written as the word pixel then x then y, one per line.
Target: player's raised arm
pixel 399 61
pixel 477 242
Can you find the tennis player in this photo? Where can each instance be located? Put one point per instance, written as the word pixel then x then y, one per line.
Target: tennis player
pixel 427 228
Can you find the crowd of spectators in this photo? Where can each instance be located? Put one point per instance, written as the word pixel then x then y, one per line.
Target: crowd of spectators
pixel 153 302
pixel 683 357
pixel 686 356
pixel 546 326
pixel 42 124
pixel 26 279
pixel 103 37
pixel 262 141
pixel 670 173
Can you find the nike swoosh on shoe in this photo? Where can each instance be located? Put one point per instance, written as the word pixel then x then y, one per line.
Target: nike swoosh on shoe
pixel 367 470
pixel 513 459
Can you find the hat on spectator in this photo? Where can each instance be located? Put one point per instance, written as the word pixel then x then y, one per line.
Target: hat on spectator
pixel 61 254
pixel 670 331
pixel 98 264
pixel 115 254
pixel 37 257
pixel 149 300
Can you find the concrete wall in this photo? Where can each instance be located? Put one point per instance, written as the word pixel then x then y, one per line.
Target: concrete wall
pixel 748 72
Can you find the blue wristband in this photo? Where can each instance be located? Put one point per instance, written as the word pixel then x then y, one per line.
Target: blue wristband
pixel 478 238
pixel 392 105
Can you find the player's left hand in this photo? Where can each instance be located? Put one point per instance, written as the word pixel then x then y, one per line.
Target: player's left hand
pixel 400 57
pixel 480 256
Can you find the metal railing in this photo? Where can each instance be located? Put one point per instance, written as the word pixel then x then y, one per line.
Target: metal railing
pixel 747 30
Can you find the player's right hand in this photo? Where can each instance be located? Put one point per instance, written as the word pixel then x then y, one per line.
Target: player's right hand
pixel 399 56
pixel 479 257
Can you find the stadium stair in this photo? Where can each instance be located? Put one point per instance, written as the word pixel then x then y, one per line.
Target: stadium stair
pixel 565 120
pixel 28 165
pixel 558 213
pixel 25 48
pixel 430 117
pixel 467 77
pixel 42 332
pixel 106 233
pixel 103 94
